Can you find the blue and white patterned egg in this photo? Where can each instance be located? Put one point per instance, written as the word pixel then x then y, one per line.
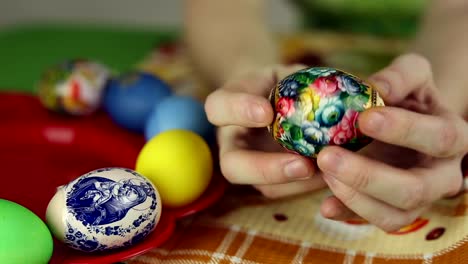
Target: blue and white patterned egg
pixel 104 209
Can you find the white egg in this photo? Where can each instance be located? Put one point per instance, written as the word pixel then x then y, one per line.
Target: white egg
pixel 104 209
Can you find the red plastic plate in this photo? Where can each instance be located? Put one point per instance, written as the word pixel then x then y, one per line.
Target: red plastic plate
pixel 40 151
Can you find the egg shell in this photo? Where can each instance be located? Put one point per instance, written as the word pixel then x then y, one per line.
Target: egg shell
pixel 179 163
pixel 319 106
pixel 130 98
pixel 104 209
pixel 179 112
pixel 73 87
pixel 24 237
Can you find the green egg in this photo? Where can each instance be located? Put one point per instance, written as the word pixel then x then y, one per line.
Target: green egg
pixel 24 237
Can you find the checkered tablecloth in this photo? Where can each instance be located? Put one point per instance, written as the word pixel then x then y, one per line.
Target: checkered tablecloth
pixel 244 227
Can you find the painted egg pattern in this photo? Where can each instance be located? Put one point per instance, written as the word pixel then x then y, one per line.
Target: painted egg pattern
pixel 104 209
pixel 319 106
pixel 74 87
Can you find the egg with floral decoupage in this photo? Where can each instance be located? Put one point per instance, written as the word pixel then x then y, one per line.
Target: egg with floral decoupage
pixel 319 106
pixel 104 209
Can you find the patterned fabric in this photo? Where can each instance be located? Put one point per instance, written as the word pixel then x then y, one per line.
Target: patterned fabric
pixel 245 227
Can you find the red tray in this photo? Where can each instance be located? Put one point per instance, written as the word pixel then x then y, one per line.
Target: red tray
pixel 40 151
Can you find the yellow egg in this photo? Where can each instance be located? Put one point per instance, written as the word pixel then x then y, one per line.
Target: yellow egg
pixel 180 165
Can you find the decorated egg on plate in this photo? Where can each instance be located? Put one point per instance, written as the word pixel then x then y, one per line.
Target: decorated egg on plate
pixel 179 163
pixel 130 97
pixel 73 87
pixel 316 107
pixel 104 209
pixel 179 112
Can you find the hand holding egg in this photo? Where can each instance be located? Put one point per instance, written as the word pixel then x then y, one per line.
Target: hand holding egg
pixel 309 108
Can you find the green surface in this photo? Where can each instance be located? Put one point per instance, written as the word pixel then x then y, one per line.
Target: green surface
pixel 25 51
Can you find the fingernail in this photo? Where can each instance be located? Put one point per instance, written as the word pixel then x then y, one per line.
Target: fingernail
pixel 257 113
pixel 297 170
pixel 375 122
pixel 331 162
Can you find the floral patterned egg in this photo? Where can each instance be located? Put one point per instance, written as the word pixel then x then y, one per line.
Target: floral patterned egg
pixel 104 209
pixel 74 87
pixel 316 107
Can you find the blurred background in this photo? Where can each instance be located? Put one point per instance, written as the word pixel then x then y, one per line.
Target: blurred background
pixel 388 17
pixel 119 33
pixel 356 35
pixel 141 13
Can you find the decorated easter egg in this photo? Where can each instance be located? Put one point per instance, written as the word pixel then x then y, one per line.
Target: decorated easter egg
pixel 73 87
pixel 317 107
pixel 104 209
pixel 130 98
pixel 179 112
pixel 24 237
pixel 179 163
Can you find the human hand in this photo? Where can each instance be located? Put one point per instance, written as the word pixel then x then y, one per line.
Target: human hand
pixel 415 159
pixel 248 154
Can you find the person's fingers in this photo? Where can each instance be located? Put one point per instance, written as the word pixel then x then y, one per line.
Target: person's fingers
pixel 243 101
pixel 403 76
pixel 433 135
pixel 443 176
pixel 242 166
pixel 394 186
pixel 380 214
pixel 242 109
pixel 276 191
pixel 333 208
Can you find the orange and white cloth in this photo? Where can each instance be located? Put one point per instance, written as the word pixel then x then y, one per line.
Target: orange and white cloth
pixel 244 227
